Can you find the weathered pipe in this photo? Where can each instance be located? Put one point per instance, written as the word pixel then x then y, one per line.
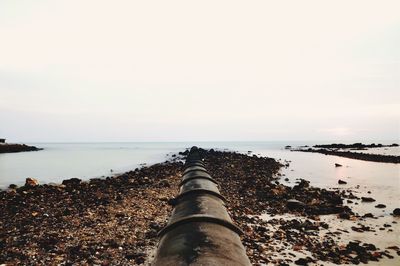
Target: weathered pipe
pixel 200 230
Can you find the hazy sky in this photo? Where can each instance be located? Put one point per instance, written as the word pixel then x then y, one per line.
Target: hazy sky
pixel 199 70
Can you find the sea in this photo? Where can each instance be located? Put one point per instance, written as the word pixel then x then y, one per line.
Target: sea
pixel 59 161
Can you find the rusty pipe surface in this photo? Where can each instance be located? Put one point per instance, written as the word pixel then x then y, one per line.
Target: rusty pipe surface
pixel 200 230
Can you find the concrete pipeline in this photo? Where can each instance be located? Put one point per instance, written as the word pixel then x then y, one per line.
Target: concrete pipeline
pixel 200 230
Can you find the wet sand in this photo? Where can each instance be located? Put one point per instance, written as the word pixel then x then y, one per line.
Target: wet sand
pixel 114 221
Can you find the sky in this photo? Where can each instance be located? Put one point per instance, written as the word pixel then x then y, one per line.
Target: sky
pixel 97 70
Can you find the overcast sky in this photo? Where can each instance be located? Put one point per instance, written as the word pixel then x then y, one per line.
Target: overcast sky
pixel 199 70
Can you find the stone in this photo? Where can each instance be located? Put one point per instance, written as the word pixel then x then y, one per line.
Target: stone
pixel 338 165
pixel 380 206
pixel 368 215
pixel 163 183
pixel 367 199
pixel 396 212
pixel 301 261
pixel 344 215
pixel 31 182
pixel 341 182
pixel 294 204
pixel 12 186
pixel 72 182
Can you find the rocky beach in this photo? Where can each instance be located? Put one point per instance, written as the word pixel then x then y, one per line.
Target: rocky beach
pixel 115 220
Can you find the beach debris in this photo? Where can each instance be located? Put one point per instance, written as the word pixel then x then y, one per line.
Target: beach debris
pixel 31 182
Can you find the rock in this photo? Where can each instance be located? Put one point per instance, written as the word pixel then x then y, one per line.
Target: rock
pixel 301 261
pixel 344 215
pixel 163 183
pixel 71 182
pixel 338 165
pixel 396 212
pixel 368 215
pixel 341 182
pixel 138 257
pixel 12 186
pixel 361 229
pixel 31 182
pixel 380 206
pixel 294 204
pixel 367 199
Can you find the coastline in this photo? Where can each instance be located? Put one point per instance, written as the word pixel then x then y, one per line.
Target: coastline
pixel 355 155
pixel 12 148
pixel 116 219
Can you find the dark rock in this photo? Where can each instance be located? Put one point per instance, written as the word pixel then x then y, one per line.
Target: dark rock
pixel 12 186
pixel 367 199
pixel 368 215
pixel 71 182
pixel 301 261
pixel 396 212
pixel 338 165
pixel 294 204
pixel 355 155
pixel 380 206
pixel 344 215
pixel 10 148
pixel 341 182
pixel 163 183
pixel 361 229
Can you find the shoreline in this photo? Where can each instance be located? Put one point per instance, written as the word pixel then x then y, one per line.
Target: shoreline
pixel 115 220
pixel 355 155
pixel 13 148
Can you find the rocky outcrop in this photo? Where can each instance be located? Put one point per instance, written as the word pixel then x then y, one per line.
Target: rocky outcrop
pixel 8 148
pixel 356 155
